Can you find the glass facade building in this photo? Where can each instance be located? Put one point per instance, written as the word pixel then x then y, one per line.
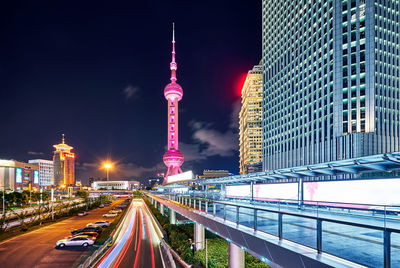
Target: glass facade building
pixel 331 80
pixel 250 120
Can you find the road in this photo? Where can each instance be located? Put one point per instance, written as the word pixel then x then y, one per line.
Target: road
pixel 137 244
pixel 37 248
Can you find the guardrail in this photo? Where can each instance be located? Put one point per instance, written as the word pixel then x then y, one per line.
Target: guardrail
pixel 272 221
pixel 96 255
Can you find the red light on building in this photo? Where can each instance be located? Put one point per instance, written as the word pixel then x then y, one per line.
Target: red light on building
pixel 69 155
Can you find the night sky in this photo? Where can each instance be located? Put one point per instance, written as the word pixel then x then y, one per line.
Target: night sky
pixel 96 71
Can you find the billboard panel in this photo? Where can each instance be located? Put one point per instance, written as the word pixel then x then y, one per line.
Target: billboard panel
pixel 379 192
pixel 18 175
pixel 185 176
pixel 36 177
pixel 263 191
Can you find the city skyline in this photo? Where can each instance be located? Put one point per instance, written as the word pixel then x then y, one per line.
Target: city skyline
pixel 98 81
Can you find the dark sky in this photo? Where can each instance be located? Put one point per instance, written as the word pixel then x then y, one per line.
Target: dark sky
pixel 96 71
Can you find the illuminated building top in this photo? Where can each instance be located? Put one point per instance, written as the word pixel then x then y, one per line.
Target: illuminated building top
pixel 63 146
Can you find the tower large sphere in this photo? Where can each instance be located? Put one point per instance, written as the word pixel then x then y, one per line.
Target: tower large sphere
pixel 173 158
pixel 173 91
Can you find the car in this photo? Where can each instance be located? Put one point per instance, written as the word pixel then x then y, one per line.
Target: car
pixel 91 235
pixel 102 224
pixel 110 215
pixel 83 213
pixel 75 241
pixel 96 229
pixel 116 210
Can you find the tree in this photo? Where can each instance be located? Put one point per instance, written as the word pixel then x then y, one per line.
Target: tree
pixel 83 194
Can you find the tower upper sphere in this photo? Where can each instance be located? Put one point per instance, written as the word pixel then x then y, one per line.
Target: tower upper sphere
pixel 173 90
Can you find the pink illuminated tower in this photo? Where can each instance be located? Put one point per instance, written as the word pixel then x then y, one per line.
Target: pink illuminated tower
pixel 173 92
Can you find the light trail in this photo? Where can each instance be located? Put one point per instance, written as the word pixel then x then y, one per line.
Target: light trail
pixel 151 241
pixel 124 233
pixel 125 248
pixel 140 240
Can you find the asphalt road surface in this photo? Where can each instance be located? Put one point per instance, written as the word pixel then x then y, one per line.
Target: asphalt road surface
pixel 37 248
pixel 138 242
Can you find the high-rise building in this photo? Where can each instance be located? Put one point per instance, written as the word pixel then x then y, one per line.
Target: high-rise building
pixel 250 120
pixel 46 168
pixel 15 175
pixel 331 80
pixel 64 165
pixel 173 92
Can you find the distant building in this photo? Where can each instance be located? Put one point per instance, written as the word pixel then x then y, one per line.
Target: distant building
pixel 214 174
pixel 64 165
pixel 16 175
pixel 115 185
pixel 253 168
pixel 250 120
pixel 46 168
pixel 91 180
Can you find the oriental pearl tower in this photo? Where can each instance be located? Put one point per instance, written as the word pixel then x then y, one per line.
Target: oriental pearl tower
pixel 173 92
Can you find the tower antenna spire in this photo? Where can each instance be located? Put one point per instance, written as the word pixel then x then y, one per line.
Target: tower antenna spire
pixel 173 65
pixel 63 138
pixel 173 32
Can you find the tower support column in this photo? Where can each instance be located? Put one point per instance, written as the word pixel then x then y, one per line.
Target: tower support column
pixel 199 236
pixel 172 217
pixel 236 256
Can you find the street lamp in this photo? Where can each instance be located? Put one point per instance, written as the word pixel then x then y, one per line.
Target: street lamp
pixel 108 166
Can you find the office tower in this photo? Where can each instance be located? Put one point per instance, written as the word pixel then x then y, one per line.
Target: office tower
pixel 64 165
pixel 331 80
pixel 250 120
pixel 46 168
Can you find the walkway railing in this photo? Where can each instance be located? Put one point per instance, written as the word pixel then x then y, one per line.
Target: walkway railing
pixel 363 233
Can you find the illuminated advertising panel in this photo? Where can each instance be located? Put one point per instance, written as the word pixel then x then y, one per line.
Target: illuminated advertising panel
pixel 275 191
pixel 237 191
pixel 185 176
pixel 264 191
pixel 379 192
pixel 18 175
pixel 36 176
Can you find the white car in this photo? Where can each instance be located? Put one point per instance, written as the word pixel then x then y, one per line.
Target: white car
pixel 102 224
pixel 115 211
pixel 75 241
pixel 110 215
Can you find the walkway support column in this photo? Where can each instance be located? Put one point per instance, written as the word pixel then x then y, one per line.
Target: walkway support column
pixel 236 256
pixel 222 192
pixel 162 209
pixel 199 236
pixel 172 217
pixel 252 191
pixel 300 193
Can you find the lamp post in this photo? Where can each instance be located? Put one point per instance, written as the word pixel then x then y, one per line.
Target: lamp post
pixel 108 166
pixel 4 202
